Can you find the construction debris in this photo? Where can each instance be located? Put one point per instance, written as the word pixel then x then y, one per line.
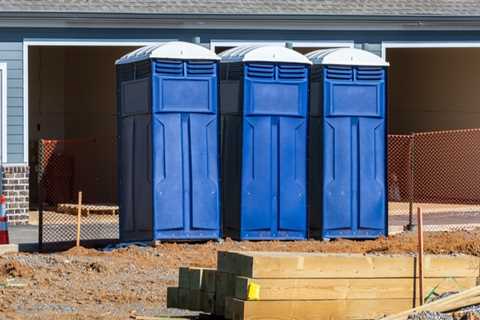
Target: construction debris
pixel 12 283
pixel 469 313
pixel 449 304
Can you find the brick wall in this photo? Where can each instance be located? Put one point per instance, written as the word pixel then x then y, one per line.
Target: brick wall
pixel 15 188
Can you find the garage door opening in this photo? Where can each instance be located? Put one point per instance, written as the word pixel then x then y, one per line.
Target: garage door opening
pixel 432 89
pixel 434 142
pixel 72 130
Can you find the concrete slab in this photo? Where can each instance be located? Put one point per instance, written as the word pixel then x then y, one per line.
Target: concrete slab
pixel 23 233
pixel 25 236
pixel 8 248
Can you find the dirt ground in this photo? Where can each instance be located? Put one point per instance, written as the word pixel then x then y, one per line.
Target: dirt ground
pixel 93 284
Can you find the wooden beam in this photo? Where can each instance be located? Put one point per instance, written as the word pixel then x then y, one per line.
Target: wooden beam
pixel 208 280
pixel 420 255
pixel 208 302
pixel 183 298
pixel 193 278
pixel 197 277
pixel 228 313
pixel 325 289
pixel 79 217
pixel 172 297
pixel 318 265
pixel 318 310
pixel 184 277
pixel 195 300
pixel 225 287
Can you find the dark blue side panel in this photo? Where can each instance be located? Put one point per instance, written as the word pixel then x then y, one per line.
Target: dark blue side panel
pixel 135 179
pixel 135 97
pixel 273 204
pixel 354 188
pixel 185 154
pixel 315 152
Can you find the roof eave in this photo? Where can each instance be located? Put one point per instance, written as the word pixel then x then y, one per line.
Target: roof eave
pixel 216 16
pixel 237 21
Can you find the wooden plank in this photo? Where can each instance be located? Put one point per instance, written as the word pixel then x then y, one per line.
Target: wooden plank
pixel 190 299
pixel 316 310
pixel 228 314
pixel 195 300
pixel 319 265
pixel 183 298
pixel 71 208
pixel 192 278
pixel 320 289
pixel 208 281
pixel 463 299
pixel 184 277
pixel 208 302
pixel 224 288
pixel 195 280
pixel 197 277
pixel 79 217
pixel 420 254
pixel 172 297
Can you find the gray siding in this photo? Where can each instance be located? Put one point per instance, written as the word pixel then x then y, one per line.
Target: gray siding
pixel 12 54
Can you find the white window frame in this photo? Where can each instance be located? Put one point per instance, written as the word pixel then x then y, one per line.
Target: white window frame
pixel 27 43
pixel 3 68
pixel 427 44
pixel 296 44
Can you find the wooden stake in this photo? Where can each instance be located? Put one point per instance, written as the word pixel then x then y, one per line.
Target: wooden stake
pixel 420 252
pixel 79 215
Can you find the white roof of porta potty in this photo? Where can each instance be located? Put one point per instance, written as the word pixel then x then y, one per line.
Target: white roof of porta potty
pixel 346 57
pixel 259 53
pixel 169 50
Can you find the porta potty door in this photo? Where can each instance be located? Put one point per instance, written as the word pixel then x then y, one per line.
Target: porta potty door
pixel 185 150
pixel 274 151
pixel 354 152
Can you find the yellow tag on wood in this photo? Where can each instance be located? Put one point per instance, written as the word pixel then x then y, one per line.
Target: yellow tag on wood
pixel 253 291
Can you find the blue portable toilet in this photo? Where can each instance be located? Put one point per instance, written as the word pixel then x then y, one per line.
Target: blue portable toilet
pixel 168 143
pixel 264 102
pixel 347 144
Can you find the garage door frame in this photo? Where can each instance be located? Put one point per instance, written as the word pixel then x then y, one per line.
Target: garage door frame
pixel 61 43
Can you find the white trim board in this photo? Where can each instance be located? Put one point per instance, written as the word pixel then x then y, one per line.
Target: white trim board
pixel 92 43
pixel 426 44
pixel 3 68
pixel 296 44
pixel 64 42
pixel 248 23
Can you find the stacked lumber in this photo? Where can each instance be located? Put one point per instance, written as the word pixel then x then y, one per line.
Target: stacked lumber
pixel 87 209
pixel 276 285
pixel 195 292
